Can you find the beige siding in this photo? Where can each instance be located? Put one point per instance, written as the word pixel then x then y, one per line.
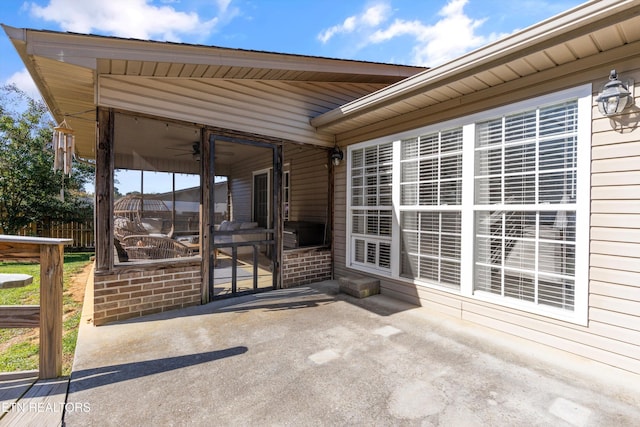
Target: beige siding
pixel 241 183
pixel 309 183
pixel 309 171
pixel 277 109
pixel 614 297
pixel 612 335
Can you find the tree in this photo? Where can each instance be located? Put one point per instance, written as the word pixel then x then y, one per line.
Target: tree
pixel 29 187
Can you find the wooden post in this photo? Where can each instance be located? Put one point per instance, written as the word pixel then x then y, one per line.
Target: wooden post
pixel 50 253
pixel 278 222
pixel 207 212
pixel 104 190
pixel 51 281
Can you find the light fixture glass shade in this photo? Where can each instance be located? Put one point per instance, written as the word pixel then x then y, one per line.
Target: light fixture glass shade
pixel 336 156
pixel 614 98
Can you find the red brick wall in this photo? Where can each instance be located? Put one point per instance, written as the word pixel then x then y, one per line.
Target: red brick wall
pixel 147 290
pixel 304 266
pixel 151 289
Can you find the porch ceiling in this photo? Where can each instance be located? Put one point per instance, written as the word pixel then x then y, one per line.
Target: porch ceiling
pixel 152 78
pixel 550 49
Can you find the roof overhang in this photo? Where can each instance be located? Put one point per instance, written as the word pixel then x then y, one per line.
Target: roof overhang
pixel 68 69
pixel 552 47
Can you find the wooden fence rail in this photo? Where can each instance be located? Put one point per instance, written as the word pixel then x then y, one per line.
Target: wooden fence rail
pixel 48 316
pixel 81 233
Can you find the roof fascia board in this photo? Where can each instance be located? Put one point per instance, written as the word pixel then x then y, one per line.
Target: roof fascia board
pixel 591 68
pixel 18 38
pixel 84 50
pixel 574 23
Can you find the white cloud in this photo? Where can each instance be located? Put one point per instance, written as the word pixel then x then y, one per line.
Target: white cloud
pixel 22 79
pixel 369 18
pixel 130 18
pixel 452 35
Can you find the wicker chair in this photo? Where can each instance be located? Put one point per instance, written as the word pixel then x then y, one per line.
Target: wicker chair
pixel 123 227
pixel 141 246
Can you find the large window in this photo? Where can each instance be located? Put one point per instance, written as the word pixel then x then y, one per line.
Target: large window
pixel 371 215
pixel 493 206
pixel 525 175
pixel 430 181
pixel 157 217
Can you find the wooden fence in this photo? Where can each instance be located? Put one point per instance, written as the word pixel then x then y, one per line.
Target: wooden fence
pixel 80 232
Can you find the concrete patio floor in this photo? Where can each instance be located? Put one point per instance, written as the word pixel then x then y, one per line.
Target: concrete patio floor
pixel 310 356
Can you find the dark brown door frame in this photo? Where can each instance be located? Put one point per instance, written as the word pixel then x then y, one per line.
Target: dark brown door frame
pixel 208 177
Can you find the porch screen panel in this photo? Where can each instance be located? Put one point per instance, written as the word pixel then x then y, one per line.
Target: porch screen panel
pixel 371 213
pixel 430 198
pixel 525 205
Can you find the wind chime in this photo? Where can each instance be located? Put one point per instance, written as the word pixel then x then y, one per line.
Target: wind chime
pixel 63 144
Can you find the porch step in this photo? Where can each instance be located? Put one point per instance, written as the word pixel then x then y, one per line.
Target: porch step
pixel 359 288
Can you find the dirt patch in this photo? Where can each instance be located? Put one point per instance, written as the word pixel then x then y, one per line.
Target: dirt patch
pixel 78 283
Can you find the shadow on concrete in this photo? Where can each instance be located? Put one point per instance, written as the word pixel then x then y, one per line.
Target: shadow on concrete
pixel 97 377
pixel 379 304
pixel 271 300
pixel 296 298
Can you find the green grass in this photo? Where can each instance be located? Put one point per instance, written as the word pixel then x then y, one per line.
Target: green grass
pixel 22 354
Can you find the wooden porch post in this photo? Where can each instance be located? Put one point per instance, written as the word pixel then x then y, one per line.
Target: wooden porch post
pixel 51 282
pixel 207 214
pixel 104 189
pixel 48 315
pixel 277 214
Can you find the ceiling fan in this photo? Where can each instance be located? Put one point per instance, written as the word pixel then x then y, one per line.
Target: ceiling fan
pixel 195 151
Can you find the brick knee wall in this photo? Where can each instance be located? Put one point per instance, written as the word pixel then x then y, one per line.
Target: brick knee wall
pixel 150 289
pixel 302 266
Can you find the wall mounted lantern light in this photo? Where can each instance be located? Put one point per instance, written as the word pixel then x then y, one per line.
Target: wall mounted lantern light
pixel 336 155
pixel 615 96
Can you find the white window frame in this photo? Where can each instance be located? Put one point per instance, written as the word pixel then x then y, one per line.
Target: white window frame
pixel 579 315
pixel 286 192
pixel 371 267
pixel 268 172
pixel 419 208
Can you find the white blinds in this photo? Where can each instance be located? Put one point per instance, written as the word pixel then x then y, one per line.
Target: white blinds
pixel 431 178
pixel 527 160
pixel 371 202
pixel 431 169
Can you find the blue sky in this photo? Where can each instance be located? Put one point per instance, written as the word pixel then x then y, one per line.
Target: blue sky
pixel 414 32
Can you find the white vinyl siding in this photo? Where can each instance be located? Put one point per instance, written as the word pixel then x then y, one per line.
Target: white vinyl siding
pixel 508 229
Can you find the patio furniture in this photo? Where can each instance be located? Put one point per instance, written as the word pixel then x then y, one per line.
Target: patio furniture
pixel 142 246
pixel 123 227
pixel 237 232
pixel 148 215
